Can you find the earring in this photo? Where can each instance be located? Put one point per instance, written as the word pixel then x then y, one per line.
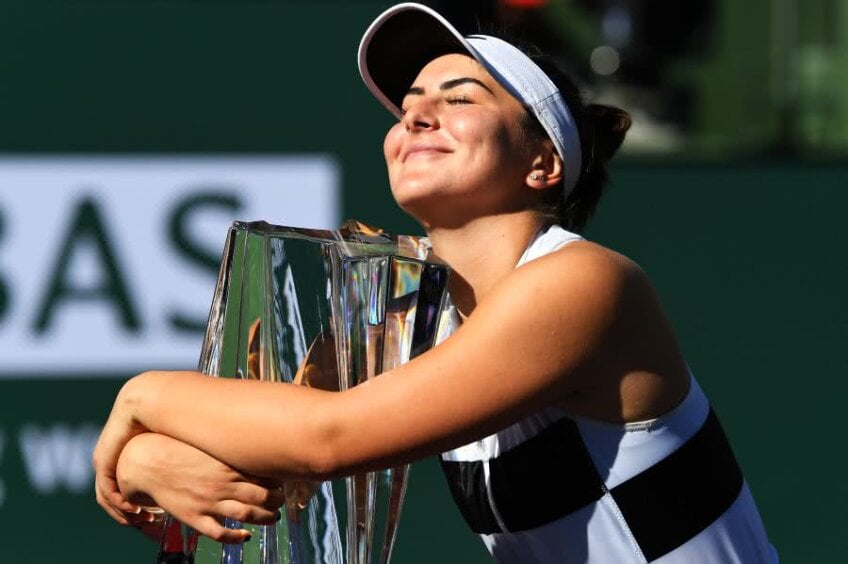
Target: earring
pixel 537 176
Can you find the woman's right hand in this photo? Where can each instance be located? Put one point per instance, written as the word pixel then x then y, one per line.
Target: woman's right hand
pixel 194 487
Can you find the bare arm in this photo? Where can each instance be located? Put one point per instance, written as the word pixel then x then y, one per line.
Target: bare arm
pixel 546 331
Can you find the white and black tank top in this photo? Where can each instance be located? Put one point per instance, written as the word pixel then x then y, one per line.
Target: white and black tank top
pixel 555 488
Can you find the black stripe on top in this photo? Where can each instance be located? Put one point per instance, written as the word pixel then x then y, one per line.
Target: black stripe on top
pixel 536 482
pixel 681 495
pixel 552 475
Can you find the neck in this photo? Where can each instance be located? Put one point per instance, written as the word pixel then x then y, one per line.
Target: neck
pixel 482 252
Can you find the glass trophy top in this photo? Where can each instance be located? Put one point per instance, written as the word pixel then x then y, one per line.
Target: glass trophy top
pixel 352 239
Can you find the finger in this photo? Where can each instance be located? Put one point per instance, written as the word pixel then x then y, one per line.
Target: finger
pixel 210 527
pixel 111 511
pixel 118 501
pixel 108 487
pixel 145 518
pixel 252 494
pixel 133 518
pixel 246 513
pixel 115 514
pixel 157 513
pixel 276 498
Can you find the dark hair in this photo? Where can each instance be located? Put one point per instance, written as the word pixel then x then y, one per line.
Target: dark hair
pixel 601 129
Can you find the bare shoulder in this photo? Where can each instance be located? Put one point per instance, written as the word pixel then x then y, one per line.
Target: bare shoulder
pixel 598 310
pixel 590 310
pixel 586 259
pixel 574 299
pixel 581 276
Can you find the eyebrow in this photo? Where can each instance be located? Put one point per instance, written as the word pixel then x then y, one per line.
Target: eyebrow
pixel 448 84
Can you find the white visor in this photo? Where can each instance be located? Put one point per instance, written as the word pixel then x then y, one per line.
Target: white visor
pixel 404 38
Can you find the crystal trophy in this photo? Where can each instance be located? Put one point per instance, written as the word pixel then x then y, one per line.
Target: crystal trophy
pixel 330 310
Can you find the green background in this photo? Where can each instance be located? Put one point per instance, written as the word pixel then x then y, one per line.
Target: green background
pixel 748 254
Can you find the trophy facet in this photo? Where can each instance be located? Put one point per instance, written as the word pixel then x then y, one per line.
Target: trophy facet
pixel 330 310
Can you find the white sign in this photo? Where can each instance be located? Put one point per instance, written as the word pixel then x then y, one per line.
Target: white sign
pixel 108 264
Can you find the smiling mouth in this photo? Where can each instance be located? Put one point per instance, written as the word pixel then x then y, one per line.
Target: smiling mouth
pixel 424 151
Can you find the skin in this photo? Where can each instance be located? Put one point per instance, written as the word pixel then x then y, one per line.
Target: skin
pixel 579 328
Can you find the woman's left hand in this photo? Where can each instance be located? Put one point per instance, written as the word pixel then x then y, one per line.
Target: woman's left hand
pixel 198 490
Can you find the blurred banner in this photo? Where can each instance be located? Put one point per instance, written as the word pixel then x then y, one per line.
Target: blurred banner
pixel 107 265
pixel 107 268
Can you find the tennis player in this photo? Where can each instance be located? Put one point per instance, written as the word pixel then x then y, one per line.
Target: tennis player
pixel 568 424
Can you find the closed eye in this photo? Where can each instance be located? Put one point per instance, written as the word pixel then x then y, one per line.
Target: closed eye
pixel 449 85
pixel 459 99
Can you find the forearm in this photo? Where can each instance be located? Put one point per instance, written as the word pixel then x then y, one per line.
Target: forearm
pixel 264 429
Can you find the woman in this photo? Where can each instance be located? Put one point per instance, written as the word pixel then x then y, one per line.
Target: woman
pixel 570 426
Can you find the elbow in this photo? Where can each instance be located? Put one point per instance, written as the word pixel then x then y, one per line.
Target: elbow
pixel 322 465
pixel 324 457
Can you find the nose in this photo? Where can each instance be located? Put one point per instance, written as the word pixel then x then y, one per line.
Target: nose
pixel 420 116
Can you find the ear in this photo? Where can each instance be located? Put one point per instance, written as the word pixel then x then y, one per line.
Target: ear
pixel 546 169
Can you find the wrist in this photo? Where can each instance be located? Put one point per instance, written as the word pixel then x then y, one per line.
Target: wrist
pixel 137 396
pixel 136 463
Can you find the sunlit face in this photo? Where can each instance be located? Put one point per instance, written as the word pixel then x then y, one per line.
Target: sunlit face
pixel 458 151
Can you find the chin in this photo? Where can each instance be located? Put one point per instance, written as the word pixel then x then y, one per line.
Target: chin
pixel 408 192
pixel 435 211
pixel 413 206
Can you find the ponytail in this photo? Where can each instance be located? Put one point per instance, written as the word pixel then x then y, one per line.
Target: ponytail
pixel 602 132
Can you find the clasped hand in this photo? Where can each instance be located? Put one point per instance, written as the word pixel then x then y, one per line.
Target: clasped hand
pixel 139 473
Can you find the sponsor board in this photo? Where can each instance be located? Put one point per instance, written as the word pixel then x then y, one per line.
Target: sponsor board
pixel 107 264
pixel 55 459
pixel 58 456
